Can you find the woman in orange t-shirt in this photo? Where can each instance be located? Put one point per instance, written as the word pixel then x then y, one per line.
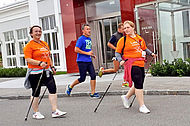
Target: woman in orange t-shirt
pixel 133 57
pixel 37 55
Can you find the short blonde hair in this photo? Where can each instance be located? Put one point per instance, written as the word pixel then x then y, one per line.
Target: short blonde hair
pixel 130 23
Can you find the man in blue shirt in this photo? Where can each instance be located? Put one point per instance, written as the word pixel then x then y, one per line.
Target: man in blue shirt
pixel 85 54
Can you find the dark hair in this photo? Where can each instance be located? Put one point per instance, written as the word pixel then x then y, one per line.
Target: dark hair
pixel 82 28
pixel 31 29
pixel 120 25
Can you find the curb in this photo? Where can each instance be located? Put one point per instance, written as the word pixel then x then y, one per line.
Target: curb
pixel 83 94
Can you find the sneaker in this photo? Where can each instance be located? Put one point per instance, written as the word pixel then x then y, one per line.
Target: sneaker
pixel 144 109
pixel 68 90
pixel 100 73
pixel 95 95
pixel 58 113
pixel 125 101
pixel 38 115
pixel 125 84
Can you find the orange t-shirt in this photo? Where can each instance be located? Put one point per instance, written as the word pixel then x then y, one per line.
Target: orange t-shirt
pixel 133 48
pixel 37 51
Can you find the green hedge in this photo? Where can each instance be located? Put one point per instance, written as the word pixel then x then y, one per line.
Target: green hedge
pixel 178 67
pixel 19 72
pixel 13 72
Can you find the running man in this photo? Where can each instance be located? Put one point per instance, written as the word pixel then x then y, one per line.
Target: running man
pixel 112 43
pixel 85 54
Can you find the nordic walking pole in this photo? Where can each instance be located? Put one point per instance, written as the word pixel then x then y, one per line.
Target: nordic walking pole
pixel 26 117
pixel 146 73
pixel 105 93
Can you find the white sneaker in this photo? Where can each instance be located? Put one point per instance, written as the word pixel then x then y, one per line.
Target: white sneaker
pixel 38 115
pixel 125 101
pixel 58 113
pixel 144 109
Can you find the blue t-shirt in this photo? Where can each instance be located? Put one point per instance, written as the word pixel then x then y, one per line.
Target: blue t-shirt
pixel 85 44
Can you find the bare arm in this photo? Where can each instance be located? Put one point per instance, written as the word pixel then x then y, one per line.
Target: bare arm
pixel 111 46
pixel 36 62
pixel 78 50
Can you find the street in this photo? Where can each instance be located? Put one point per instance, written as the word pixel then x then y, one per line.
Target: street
pixel 166 110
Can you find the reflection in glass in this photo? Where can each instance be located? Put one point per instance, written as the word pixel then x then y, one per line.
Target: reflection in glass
pixel 9 62
pixel 55 41
pixel 8 49
pixel 56 59
pixel 13 48
pixel 14 61
pixel 101 7
pixel 47 39
pixel 22 61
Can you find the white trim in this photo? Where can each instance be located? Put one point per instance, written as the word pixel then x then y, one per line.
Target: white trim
pixel 33 10
pixel 14 6
pixel 58 20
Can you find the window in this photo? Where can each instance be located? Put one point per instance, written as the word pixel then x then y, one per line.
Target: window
pixel 48 23
pixel 186 50
pixel 10 48
pixel 186 27
pixel 50 36
pixel 15 41
pixel 22 38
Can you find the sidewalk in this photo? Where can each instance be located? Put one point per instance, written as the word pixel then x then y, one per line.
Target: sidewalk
pixel 12 88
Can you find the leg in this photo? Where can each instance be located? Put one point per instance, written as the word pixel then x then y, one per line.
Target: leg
pixel 53 101
pixel 91 71
pixel 35 104
pixel 113 70
pixel 130 92
pixel 93 86
pixel 50 83
pixel 74 83
pixel 82 69
pixel 140 96
pixel 34 79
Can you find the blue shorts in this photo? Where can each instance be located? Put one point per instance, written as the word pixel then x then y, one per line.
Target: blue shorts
pixel 86 67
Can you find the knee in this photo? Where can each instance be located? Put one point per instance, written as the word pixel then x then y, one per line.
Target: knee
pixel 81 80
pixel 93 77
pixel 53 90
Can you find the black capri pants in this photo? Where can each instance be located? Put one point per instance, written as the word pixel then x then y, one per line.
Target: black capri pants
pixel 45 81
pixel 86 67
pixel 138 75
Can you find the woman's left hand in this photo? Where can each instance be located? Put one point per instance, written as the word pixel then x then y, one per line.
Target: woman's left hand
pixel 54 70
pixel 153 55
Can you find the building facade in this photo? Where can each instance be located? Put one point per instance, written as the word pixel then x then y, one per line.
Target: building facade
pixel 164 24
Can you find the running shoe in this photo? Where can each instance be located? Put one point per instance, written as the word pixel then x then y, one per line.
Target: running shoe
pixel 100 73
pixel 144 109
pixel 68 90
pixel 95 95
pixel 125 101
pixel 58 113
pixel 125 84
pixel 38 115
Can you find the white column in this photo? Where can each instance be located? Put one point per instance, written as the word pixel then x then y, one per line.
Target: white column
pixel 58 19
pixel 33 10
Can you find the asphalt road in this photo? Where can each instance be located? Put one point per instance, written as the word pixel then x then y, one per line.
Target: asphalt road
pixel 166 110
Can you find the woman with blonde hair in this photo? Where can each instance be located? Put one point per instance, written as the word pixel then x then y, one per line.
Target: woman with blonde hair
pixel 131 54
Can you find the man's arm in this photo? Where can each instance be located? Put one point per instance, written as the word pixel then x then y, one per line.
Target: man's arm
pixel 78 50
pixel 111 46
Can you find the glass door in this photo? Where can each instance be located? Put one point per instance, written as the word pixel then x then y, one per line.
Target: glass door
pixel 147 27
pixel 102 30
